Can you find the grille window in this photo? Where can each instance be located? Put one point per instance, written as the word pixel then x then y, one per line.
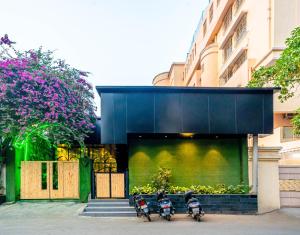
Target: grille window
pixel 241 29
pixel 227 49
pixel 227 19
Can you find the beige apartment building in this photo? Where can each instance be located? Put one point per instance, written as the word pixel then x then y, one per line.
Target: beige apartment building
pixel 232 39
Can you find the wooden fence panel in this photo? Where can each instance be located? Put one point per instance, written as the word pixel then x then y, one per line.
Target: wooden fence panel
pixel 71 179
pixel 31 180
pixel 102 185
pixel 59 192
pixel 67 176
pixel 117 185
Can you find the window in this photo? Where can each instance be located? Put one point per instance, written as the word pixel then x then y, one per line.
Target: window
pixel 241 29
pixel 227 49
pixel 204 28
pixel 233 68
pixel 228 74
pixel 242 58
pixel 227 19
pixel 287 134
pixel 211 12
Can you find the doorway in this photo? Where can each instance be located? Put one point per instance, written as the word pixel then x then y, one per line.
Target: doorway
pixel 110 185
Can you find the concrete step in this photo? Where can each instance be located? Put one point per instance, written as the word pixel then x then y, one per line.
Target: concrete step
pixel 109 200
pixel 109 214
pixel 108 204
pixel 109 209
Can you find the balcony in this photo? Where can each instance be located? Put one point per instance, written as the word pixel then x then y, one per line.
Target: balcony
pixel 230 29
pixel 287 134
pixel 238 50
pixel 238 78
pixel 282 136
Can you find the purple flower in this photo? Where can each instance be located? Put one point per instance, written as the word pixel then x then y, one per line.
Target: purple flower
pixel 6 40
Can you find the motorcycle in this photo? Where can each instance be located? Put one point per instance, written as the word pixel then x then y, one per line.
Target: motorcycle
pixel 166 209
pixel 141 207
pixel 193 205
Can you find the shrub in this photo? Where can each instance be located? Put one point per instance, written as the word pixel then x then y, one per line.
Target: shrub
pixel 198 189
pixel 161 180
pixel 146 189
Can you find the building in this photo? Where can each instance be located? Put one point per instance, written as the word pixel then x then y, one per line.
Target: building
pixel 198 133
pixel 233 38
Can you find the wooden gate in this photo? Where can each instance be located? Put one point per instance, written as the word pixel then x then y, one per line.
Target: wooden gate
pixel 110 185
pixel 49 180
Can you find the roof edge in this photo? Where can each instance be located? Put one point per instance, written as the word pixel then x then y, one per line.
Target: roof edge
pixel 171 89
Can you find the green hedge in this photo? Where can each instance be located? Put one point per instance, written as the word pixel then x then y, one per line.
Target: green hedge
pixel 198 189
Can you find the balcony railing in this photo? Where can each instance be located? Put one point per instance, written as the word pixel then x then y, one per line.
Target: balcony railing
pixel 287 134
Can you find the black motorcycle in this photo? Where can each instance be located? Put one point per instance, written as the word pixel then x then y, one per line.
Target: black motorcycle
pixel 165 206
pixel 141 207
pixel 193 205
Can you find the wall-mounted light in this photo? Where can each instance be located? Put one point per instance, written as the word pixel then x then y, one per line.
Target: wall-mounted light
pixel 187 135
pixel 166 136
pixel 140 136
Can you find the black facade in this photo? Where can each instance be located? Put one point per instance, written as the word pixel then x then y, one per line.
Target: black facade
pixel 171 110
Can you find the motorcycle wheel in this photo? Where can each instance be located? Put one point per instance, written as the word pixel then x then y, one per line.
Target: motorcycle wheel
pixel 148 217
pixel 168 217
pixel 198 218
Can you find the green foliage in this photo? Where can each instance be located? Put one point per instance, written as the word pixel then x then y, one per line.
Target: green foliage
pixel 198 189
pixel 147 189
pixel 177 189
pixel 161 180
pixel 44 95
pixel 40 150
pixel 285 73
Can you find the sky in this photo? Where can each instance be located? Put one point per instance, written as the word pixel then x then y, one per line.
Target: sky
pixel 121 42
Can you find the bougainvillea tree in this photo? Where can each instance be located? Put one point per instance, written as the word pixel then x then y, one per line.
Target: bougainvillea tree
pixel 285 73
pixel 41 96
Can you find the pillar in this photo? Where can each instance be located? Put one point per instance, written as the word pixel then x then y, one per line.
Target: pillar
pixel 255 165
pixel 268 194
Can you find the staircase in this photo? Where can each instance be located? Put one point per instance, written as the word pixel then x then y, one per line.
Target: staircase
pixel 109 208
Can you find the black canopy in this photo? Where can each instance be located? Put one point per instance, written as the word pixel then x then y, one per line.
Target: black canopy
pixel 170 110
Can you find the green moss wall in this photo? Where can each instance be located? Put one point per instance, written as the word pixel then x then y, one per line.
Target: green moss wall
pixel 85 178
pixel 192 161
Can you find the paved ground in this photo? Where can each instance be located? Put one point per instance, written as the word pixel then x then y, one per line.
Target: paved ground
pixel 62 218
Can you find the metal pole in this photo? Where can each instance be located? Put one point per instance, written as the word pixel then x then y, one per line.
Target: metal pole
pixel 255 165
